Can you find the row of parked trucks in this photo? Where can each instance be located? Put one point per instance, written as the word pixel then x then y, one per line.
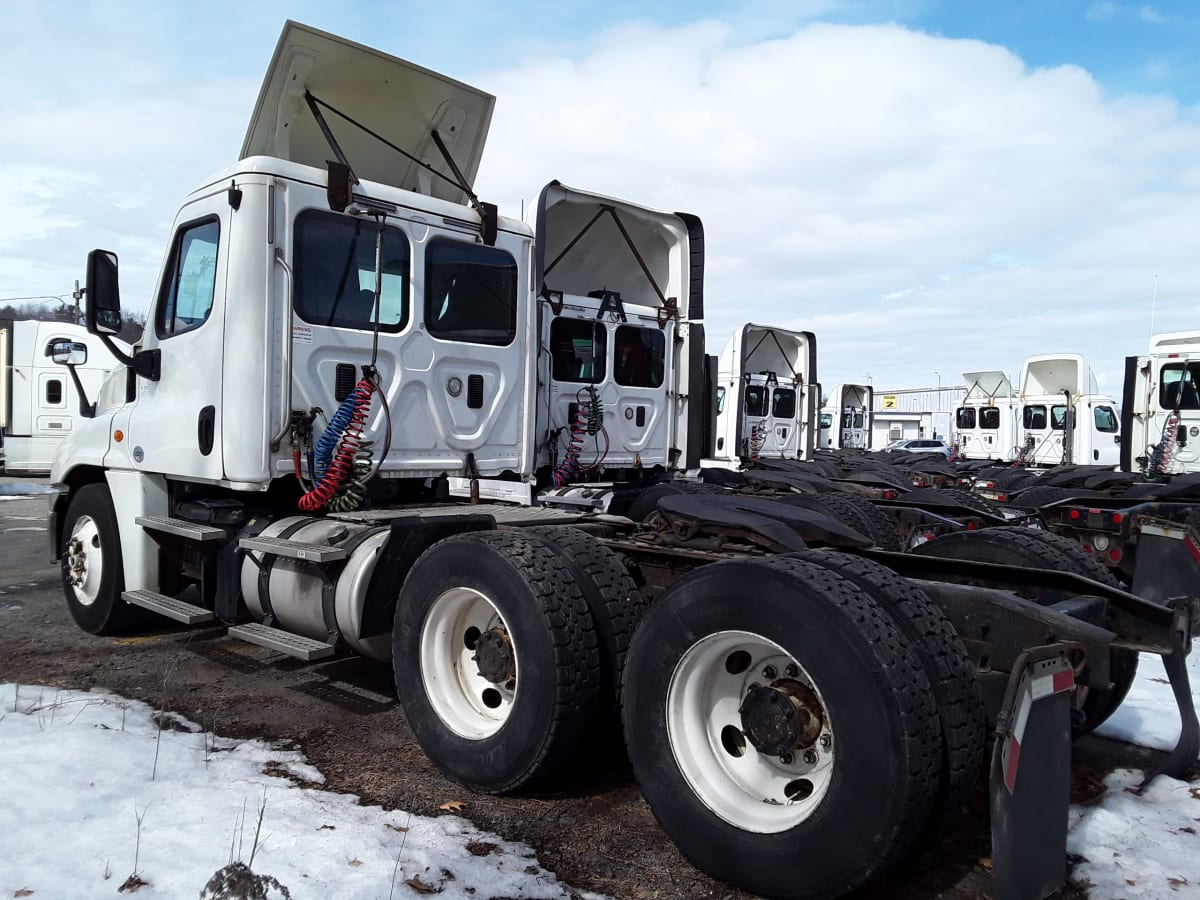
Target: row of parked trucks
pixel 370 414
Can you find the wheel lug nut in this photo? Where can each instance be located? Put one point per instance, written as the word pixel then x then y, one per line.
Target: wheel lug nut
pixel 770 672
pixel 810 757
pixel 787 758
pixel 791 671
pixel 754 685
pixel 826 741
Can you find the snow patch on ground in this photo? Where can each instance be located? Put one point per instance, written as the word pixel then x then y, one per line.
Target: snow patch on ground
pixel 79 768
pixel 23 489
pixel 1148 716
pixel 1139 845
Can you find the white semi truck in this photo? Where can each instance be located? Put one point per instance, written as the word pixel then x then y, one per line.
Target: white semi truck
pixel 39 400
pixel 845 418
pixel 766 395
pixel 1052 419
pixel 371 414
pixel 1161 407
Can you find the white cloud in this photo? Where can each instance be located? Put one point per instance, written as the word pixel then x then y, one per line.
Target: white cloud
pixel 922 203
pixel 1149 14
pixel 841 171
pixel 1098 12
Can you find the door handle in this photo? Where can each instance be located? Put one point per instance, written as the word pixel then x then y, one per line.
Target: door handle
pixel 206 428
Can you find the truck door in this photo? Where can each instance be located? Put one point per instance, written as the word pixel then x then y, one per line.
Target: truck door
pixel 1178 388
pixel 175 427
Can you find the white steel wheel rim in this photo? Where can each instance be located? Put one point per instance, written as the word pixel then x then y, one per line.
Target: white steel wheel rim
pixel 751 791
pixel 466 702
pixel 85 560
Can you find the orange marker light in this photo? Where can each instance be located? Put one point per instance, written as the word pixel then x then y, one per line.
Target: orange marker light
pixel 118 435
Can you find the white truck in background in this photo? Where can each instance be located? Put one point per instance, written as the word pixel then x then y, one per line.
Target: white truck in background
pixel 986 425
pixel 1161 407
pixel 767 395
pixel 845 418
pixel 1052 419
pixel 1062 421
pixel 39 400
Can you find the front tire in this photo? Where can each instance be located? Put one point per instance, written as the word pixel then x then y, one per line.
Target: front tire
pixel 92 574
pixel 810 804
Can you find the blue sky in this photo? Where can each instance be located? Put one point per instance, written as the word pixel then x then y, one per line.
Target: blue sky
pixel 928 185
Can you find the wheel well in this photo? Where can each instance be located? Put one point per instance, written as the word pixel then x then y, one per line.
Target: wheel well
pixel 74 480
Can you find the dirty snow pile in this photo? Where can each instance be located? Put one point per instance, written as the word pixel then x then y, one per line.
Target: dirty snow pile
pixel 81 770
pixel 1142 845
pixel 18 490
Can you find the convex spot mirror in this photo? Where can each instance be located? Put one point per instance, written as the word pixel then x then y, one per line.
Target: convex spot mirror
pixel 67 353
pixel 103 294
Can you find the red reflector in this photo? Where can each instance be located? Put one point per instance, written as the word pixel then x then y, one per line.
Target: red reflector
pixel 1003 498
pixel 1117 518
pixel 1087 548
pixel 989 484
pixel 889 495
pixel 1114 554
pixel 1093 512
pixel 972 525
pixel 929 535
pixel 1074 514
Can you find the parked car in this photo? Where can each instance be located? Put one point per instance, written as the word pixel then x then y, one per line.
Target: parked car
pixel 919 445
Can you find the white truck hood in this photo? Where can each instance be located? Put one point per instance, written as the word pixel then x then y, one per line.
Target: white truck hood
pixel 398 100
pixel 987 385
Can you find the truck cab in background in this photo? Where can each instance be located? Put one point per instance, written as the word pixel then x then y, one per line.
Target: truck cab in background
pixel 40 404
pixel 985 426
pixel 1161 407
pixel 766 395
pixel 1061 420
pixel 846 417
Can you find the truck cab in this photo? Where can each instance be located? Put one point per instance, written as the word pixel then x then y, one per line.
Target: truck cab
pixel 846 417
pixel 40 404
pixel 985 426
pixel 1061 420
pixel 766 395
pixel 1161 406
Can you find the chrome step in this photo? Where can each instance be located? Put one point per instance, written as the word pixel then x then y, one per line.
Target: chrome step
pixel 316 553
pixel 181 528
pixel 179 610
pixel 282 641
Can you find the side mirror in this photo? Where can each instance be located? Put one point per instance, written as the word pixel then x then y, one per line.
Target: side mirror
pixel 67 353
pixel 103 293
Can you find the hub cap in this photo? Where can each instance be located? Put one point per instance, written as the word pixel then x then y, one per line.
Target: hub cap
pixel 468 663
pixel 85 563
pixel 750 732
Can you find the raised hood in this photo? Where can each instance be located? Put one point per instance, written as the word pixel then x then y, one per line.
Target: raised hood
pixel 1050 375
pixel 400 101
pixel 790 355
pixel 987 385
pixel 587 242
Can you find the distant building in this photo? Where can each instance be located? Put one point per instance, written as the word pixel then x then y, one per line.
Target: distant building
pixel 914 413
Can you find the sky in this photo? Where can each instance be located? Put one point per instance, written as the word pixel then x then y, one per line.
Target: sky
pixel 930 186
pixel 198 797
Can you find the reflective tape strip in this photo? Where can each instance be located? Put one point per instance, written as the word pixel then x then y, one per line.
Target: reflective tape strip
pixel 1034 689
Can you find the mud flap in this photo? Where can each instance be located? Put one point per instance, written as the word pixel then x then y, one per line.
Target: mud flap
pixel 1031 776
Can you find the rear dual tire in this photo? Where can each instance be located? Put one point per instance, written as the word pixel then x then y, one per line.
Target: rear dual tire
pixel 758 817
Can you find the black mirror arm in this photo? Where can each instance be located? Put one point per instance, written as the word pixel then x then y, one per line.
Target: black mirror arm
pixel 86 409
pixel 146 363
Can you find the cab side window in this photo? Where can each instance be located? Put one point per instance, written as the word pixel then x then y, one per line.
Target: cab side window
pixel 189 284
pixel 1034 417
pixel 966 417
pixel 989 418
pixel 1106 419
pixel 784 403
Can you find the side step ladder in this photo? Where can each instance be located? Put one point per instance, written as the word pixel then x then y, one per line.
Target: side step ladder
pixel 281 641
pixel 179 610
pixel 277 639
